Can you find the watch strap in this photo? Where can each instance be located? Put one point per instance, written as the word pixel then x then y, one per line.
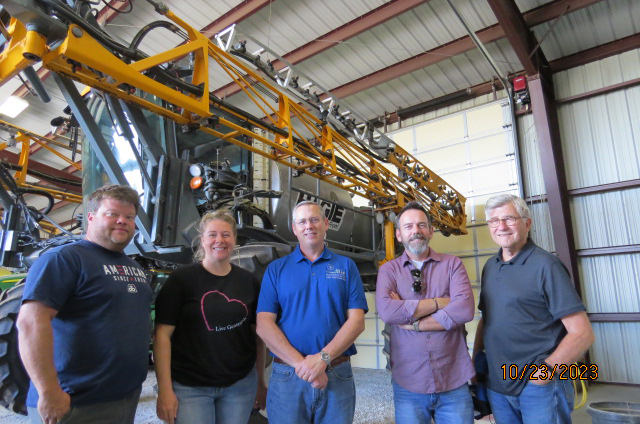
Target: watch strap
pixel 326 358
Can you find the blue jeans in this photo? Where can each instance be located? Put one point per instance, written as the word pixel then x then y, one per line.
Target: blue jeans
pixel 217 405
pixel 291 400
pixel 452 407
pixel 549 404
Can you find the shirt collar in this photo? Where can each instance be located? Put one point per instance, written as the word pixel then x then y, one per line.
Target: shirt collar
pixel 522 255
pixel 298 256
pixel 432 256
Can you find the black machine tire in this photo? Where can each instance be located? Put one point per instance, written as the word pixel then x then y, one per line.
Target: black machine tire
pixel 249 234
pixel 14 380
pixel 19 286
pixel 254 257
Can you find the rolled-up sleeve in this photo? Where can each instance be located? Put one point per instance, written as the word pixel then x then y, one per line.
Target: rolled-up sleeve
pixel 395 312
pixel 461 308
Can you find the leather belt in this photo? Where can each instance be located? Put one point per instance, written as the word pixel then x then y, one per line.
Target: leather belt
pixel 339 360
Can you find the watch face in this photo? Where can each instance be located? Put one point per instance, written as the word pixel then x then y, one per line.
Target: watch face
pixel 324 356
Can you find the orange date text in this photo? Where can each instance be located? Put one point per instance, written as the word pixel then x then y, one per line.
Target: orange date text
pixel 547 372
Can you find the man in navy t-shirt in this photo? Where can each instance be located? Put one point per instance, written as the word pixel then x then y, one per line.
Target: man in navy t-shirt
pixel 310 311
pixel 84 324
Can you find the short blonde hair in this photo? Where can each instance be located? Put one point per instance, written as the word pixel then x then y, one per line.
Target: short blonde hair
pixel 306 203
pixel 219 215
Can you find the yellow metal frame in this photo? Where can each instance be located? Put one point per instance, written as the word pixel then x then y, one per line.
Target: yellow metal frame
pixel 25 138
pixel 84 59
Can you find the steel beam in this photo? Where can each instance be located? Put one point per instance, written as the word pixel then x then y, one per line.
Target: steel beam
pixel 462 45
pixel 600 91
pixel 324 42
pixel 596 53
pixel 615 317
pixel 45 169
pixel 545 116
pixel 99 145
pixel 603 188
pixel 612 250
pixel 520 37
pixel 442 101
pixel 237 14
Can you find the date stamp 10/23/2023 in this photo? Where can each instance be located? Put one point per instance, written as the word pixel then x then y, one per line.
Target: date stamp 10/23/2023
pixel 547 372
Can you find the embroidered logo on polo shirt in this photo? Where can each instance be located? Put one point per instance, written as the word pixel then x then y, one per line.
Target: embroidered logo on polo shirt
pixel 336 273
pixel 131 288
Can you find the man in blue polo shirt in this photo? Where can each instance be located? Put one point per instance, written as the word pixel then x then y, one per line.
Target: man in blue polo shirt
pixel 310 311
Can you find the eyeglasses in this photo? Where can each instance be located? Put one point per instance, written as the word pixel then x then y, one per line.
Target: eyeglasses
pixel 509 220
pixel 417 280
pixel 313 221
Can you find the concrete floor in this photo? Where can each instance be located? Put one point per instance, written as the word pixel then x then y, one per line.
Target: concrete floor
pixel 374 403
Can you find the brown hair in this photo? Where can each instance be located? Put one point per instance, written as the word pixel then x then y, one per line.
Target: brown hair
pixel 120 193
pixel 412 205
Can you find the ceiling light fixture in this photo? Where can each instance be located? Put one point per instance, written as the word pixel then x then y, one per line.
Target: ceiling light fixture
pixel 13 106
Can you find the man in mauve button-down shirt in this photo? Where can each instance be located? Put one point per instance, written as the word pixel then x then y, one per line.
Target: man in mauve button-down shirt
pixel 430 364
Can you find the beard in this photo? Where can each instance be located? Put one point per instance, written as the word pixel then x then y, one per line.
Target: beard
pixel 417 244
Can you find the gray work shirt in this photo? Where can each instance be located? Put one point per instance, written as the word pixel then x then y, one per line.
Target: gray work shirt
pixel 522 303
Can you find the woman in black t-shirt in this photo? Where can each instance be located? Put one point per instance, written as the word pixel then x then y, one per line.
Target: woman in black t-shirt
pixel 206 349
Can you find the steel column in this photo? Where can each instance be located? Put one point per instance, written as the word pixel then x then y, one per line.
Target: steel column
pixel 545 116
pixel 99 144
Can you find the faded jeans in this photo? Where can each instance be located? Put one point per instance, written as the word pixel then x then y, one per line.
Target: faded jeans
pixel 451 407
pixel 549 404
pixel 292 400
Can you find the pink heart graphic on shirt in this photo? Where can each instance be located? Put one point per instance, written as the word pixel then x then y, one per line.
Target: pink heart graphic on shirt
pixel 219 297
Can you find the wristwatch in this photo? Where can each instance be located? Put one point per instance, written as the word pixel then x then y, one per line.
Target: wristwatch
pixel 326 358
pixel 416 325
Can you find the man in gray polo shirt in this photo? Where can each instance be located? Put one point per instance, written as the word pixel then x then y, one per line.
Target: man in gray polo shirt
pixel 533 323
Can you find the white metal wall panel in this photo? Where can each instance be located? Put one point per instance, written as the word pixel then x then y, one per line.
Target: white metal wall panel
pixel 533 182
pixel 607 219
pixel 601 138
pixel 530 156
pixel 601 135
pixel 610 283
pixel 599 74
pixel 541 232
pixel 615 352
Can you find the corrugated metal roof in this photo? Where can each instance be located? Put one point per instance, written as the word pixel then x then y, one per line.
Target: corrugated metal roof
pixel 583 29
